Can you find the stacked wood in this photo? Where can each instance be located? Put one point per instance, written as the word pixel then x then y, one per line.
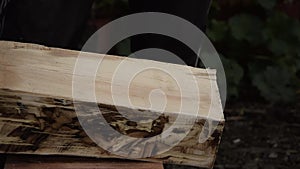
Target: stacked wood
pixel 37 114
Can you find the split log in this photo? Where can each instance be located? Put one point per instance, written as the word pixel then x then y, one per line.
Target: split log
pixel 37 108
pixel 53 162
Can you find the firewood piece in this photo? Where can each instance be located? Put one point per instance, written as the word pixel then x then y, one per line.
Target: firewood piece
pixel 53 162
pixel 37 114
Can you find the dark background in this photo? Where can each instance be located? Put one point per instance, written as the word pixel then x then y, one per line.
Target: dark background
pixel 258 42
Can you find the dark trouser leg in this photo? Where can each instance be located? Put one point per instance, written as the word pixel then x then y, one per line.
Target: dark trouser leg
pixel 56 23
pixel 194 11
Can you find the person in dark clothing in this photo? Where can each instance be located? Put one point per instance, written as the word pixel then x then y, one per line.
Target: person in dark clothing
pixel 194 11
pixel 55 23
pixel 60 23
pixel 3 4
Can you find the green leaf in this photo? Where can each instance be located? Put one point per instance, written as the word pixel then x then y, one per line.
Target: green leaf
pixel 296 29
pixel 246 27
pixel 275 84
pixel 297 64
pixel 217 30
pixel 282 34
pixel 279 47
pixel 234 73
pixel 267 4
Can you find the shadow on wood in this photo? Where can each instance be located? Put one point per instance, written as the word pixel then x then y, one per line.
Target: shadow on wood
pixel 55 162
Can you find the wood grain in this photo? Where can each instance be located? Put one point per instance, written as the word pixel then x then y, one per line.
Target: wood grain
pixel 37 114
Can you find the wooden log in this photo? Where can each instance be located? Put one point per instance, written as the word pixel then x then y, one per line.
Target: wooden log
pixel 54 162
pixel 38 115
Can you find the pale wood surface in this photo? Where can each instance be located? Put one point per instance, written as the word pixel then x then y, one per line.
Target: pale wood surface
pixel 38 69
pixel 37 114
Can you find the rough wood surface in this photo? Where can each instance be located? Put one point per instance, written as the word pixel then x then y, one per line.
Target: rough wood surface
pixel 37 113
pixel 54 162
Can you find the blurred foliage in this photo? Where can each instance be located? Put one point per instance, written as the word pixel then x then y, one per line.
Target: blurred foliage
pixel 235 73
pixel 260 46
pixel 258 40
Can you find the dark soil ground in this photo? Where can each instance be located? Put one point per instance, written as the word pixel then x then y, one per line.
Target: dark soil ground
pixel 266 138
